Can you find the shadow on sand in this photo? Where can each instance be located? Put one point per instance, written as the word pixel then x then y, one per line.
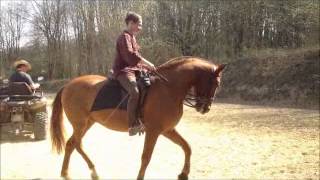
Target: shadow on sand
pixel 9 135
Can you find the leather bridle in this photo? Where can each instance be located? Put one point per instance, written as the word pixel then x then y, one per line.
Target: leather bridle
pixel 190 99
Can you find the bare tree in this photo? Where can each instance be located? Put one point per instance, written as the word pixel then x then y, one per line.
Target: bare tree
pixel 78 37
pixel 48 19
pixel 11 25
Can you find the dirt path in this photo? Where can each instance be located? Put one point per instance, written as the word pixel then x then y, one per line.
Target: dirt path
pixel 238 142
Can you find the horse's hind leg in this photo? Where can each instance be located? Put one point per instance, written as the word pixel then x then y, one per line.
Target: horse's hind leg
pixel 175 137
pixel 75 142
pixel 70 146
pixel 94 174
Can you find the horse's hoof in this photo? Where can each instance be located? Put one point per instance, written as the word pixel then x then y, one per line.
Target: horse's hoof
pixel 66 177
pixel 94 175
pixel 183 176
pixel 140 178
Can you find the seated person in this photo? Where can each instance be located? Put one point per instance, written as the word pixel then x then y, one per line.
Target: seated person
pixel 21 75
pixel 127 61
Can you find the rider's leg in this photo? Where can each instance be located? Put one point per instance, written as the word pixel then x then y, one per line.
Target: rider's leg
pixel 128 81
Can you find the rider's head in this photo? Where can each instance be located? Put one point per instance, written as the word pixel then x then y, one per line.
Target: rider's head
pixel 134 22
pixel 22 65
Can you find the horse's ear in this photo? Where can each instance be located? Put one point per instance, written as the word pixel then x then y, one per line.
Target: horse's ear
pixel 220 69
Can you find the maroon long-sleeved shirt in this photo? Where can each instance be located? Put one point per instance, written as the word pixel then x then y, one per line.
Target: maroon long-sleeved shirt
pixel 128 58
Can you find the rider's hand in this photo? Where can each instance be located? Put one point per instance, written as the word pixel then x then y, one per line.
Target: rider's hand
pixel 149 64
pixel 152 67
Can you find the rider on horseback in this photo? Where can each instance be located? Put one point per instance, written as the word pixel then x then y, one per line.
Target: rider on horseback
pixel 127 61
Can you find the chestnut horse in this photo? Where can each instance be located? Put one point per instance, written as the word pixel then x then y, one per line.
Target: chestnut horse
pixel 162 110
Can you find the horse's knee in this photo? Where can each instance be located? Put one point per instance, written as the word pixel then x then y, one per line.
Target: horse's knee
pixel 188 149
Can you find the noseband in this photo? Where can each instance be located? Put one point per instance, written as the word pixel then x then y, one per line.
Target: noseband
pixel 191 100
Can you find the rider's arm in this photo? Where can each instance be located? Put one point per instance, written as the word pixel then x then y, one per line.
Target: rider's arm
pixel 125 48
pixel 148 63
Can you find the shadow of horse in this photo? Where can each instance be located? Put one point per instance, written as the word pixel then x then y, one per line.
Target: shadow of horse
pixel 8 135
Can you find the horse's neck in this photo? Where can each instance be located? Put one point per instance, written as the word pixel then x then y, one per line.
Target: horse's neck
pixel 180 81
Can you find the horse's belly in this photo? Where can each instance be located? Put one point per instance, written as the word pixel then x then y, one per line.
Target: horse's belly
pixel 112 119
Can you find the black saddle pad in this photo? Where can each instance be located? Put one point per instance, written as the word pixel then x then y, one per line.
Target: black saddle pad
pixel 109 96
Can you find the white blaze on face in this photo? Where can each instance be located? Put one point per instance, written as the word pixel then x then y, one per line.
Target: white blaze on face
pixel 215 68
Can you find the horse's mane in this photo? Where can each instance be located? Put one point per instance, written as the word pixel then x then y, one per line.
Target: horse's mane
pixel 182 60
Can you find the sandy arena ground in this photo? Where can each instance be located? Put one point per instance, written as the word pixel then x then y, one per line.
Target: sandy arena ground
pixel 231 141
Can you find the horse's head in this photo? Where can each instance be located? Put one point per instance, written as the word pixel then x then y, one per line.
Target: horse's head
pixel 201 79
pixel 206 86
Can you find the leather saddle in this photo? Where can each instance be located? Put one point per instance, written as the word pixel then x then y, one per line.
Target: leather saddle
pixel 112 95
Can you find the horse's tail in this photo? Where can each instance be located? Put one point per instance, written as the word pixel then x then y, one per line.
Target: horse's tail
pixel 56 125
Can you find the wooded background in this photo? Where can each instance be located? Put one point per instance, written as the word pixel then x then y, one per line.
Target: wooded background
pixel 72 38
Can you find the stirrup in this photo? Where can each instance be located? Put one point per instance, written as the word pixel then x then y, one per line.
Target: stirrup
pixel 133 131
pixel 136 129
pixel 141 129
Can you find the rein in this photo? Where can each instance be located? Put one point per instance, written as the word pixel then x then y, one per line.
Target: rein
pixel 160 75
pixel 190 99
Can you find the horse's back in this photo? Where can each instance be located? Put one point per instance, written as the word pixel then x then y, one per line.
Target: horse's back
pixel 79 94
pixel 88 80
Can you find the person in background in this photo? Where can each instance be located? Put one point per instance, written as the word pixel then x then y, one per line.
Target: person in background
pixel 20 75
pixel 128 60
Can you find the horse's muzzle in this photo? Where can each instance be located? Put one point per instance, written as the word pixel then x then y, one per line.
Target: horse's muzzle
pixel 203 108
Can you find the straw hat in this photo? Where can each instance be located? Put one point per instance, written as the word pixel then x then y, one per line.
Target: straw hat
pixel 22 61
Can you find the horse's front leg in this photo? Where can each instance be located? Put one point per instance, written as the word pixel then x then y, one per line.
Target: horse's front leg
pixel 175 137
pixel 149 143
